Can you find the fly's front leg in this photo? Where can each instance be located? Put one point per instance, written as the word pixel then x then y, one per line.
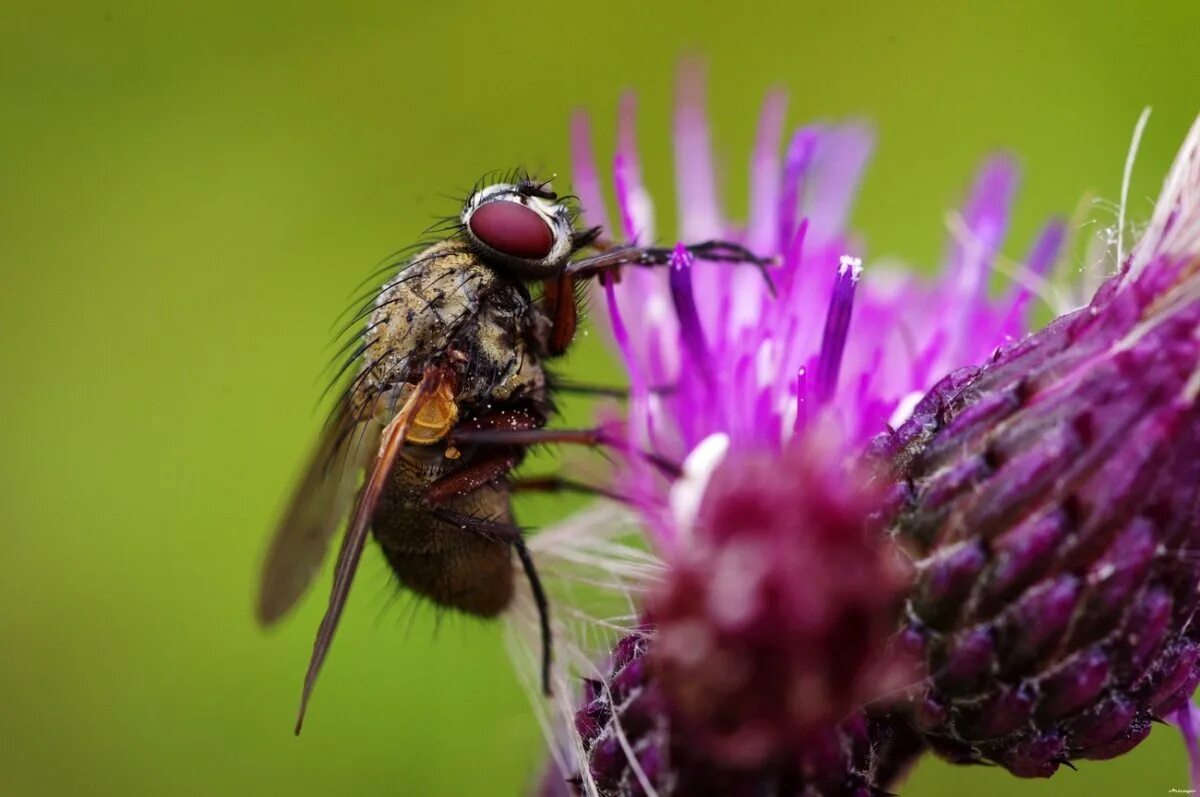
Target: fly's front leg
pixel 714 251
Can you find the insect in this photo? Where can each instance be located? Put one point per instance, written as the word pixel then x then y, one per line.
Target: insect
pixel 450 391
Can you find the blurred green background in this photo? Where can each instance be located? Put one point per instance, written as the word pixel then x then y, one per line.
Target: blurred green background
pixel 188 192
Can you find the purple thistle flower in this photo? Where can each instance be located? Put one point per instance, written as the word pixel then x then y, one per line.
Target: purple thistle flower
pixel 1031 568
pixel 759 368
pixel 766 380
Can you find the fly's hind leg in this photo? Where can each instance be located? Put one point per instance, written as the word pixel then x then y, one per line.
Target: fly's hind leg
pixel 487 471
pixel 490 468
pixel 510 534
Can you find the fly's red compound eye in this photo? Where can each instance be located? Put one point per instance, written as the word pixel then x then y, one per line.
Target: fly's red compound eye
pixel 512 229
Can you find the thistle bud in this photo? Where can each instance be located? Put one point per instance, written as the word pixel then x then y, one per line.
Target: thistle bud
pixel 1050 503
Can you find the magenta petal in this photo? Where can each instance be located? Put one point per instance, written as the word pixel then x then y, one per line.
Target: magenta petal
pixel 620 335
pixel 1047 248
pixel 765 177
pixel 840 158
pixel 796 164
pixel 691 334
pixel 637 215
pixel 985 219
pixel 583 170
pixel 837 326
pixel 1030 282
pixel 695 181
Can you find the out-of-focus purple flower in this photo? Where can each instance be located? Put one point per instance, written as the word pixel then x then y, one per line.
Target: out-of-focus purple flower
pixel 1051 499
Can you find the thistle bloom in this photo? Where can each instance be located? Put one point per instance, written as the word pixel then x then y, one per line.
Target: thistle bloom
pixel 759 361
pixel 811 575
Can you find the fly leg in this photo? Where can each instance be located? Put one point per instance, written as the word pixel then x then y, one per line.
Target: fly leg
pixel 480 473
pixel 561 484
pixel 611 260
pixel 584 389
pixel 494 465
pixel 492 469
pixel 513 535
pixel 594 437
pixel 561 305
pixel 587 389
pixel 469 479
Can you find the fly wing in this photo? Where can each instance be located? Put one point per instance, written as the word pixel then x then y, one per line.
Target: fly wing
pixel 320 504
pixel 393 439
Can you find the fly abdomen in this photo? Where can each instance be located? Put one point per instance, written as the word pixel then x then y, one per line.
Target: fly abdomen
pixel 450 565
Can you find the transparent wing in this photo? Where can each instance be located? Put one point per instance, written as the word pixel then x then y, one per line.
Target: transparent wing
pixel 383 457
pixel 322 501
